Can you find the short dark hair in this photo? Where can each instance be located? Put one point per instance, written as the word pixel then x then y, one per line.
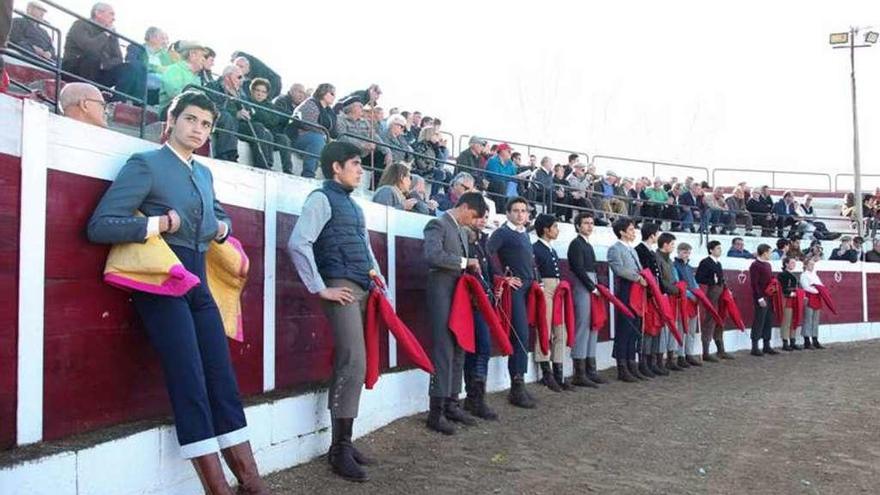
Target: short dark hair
pixel 437 122
pixel 763 248
pixel 514 200
pixel 664 239
pixel 712 245
pixel 620 225
pixel 649 229
pixel 543 222
pixel 579 219
pixel 736 239
pixel 781 243
pixel 572 157
pixel 474 201
pixel 259 81
pixel 192 98
pixel 515 154
pixel 337 151
pixel 405 114
pixel 323 89
pixel 786 260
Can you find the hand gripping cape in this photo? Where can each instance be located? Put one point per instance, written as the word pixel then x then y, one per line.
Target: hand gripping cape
pixel 468 298
pixel 563 310
pixel 598 310
pixel 687 309
pixel 379 311
pixel 823 296
pixel 656 310
pixel 536 309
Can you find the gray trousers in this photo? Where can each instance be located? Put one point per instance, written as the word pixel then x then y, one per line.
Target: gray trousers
pixel 349 356
pixel 446 354
pixel 585 340
pixel 811 322
pixel 690 339
pixel 666 342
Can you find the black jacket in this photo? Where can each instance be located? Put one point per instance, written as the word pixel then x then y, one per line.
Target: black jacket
pixel 260 69
pixel 546 260
pixel 88 48
pixel 710 272
pixel 648 260
pixel 582 260
pixel 28 34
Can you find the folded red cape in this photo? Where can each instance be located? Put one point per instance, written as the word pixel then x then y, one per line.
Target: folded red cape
pixel 774 292
pixel 537 313
pixel 727 307
pixel 823 296
pixel 598 310
pixel 563 310
pixel 796 304
pixel 467 298
pixel 379 311
pixel 655 311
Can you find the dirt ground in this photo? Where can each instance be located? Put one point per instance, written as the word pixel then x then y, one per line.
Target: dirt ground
pixel 801 423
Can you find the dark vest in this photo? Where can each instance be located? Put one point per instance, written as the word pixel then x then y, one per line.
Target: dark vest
pixel 341 248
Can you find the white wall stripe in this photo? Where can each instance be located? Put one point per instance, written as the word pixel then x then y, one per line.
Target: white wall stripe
pixel 31 269
pixel 391 278
pixel 269 269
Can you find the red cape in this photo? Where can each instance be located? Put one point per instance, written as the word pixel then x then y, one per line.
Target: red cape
pixel 469 297
pixel 598 310
pixel 658 311
pixel 504 304
pixel 563 310
pixel 823 296
pixel 537 313
pixel 774 292
pixel 727 307
pixel 796 304
pixel 379 311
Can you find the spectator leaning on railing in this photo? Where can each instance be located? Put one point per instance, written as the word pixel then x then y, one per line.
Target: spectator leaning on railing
pixel 471 161
pixel 369 96
pixel 351 125
pixel 30 35
pixel 738 249
pixel 401 151
pixel 155 58
pixel 182 73
pixel 94 54
pixel 316 111
pixel 462 182
pixel 738 210
pixel 760 206
pixel 233 117
pixel 266 122
pixel 609 194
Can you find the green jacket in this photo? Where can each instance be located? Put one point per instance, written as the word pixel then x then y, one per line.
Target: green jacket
pixel 176 77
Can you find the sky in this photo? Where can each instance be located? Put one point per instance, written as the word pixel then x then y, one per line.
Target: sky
pixel 745 85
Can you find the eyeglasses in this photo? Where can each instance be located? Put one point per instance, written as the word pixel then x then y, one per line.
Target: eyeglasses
pixel 99 102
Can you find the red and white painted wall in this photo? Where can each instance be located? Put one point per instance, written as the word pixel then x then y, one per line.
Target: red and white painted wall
pixel 73 358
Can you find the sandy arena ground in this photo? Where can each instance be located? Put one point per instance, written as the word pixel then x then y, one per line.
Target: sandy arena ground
pixel 805 422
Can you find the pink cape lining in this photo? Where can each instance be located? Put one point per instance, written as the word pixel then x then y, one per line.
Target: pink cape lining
pixel 178 283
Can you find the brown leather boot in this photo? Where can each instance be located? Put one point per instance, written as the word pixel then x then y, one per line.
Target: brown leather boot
pixel 211 474
pixel 706 356
pixel 240 459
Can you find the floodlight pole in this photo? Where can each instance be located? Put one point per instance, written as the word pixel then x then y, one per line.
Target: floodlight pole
pixel 857 166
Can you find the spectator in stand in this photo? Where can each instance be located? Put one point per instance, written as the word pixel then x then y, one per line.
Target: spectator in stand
pixel 244 65
pixel 394 186
pixel 610 196
pixel 206 75
pixel 287 103
pixel 462 182
pixel 848 208
pixel 794 250
pixel 266 121
pixel 815 250
pixel 83 102
pixel 416 127
pixel 672 211
pixel 692 206
pixel 639 198
pixel 419 192
pixel 183 73
pixel 809 224
pixel 781 249
pixel 859 246
pixel 738 249
pixel 785 213
pixel 761 210
pixel 156 59
pixel 256 68
pixel 234 119
pixel 427 122
pixel 738 211
pixel 369 96
pixel 5 25
pixel 352 125
pixel 501 166
pixel 543 178
pixel 428 157
pixel 657 198
pixel 471 161
pixel 316 112
pixel 580 189
pixel 93 53
pixel 30 35
pixel 401 151
pixel 873 256
pixel 712 210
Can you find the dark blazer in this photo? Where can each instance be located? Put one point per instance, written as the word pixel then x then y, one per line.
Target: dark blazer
pixel 710 273
pixel 546 260
pixel 154 182
pixel 29 34
pixel 85 43
pixel 648 260
pixel 444 247
pixel 581 261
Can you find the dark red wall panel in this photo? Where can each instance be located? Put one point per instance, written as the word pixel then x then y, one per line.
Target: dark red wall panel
pixel 412 276
pixel 847 296
pixel 873 296
pixel 303 338
pixel 10 194
pixel 99 367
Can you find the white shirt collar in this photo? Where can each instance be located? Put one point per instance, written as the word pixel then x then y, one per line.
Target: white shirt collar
pixel 513 227
pixel 650 248
pixel 181 158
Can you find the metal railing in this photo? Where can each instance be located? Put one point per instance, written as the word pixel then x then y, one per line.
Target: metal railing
pixel 597 159
pixel 850 176
pixel 462 145
pixel 773 175
pixel 56 35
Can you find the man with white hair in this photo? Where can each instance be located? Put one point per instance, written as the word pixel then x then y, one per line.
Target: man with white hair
pixel 83 102
pixel 352 126
pixel 30 35
pixel 92 52
pixel 394 136
pixel 234 118
pixel 183 73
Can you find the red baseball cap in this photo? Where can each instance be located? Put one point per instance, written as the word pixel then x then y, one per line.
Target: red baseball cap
pixel 503 146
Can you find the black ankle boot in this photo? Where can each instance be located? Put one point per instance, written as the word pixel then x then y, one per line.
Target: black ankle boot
pixel 794 345
pixel 785 346
pixel 453 412
pixel 769 350
pixel 518 395
pixel 755 350
pixel 341 456
pixel 437 420
pixel 476 404
pixel 633 369
pixel 645 366
pixel 593 372
pixel 623 373
pixel 547 378
pixel 559 376
pixel 807 344
pixel 816 344
pixel 656 365
pixel 580 377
